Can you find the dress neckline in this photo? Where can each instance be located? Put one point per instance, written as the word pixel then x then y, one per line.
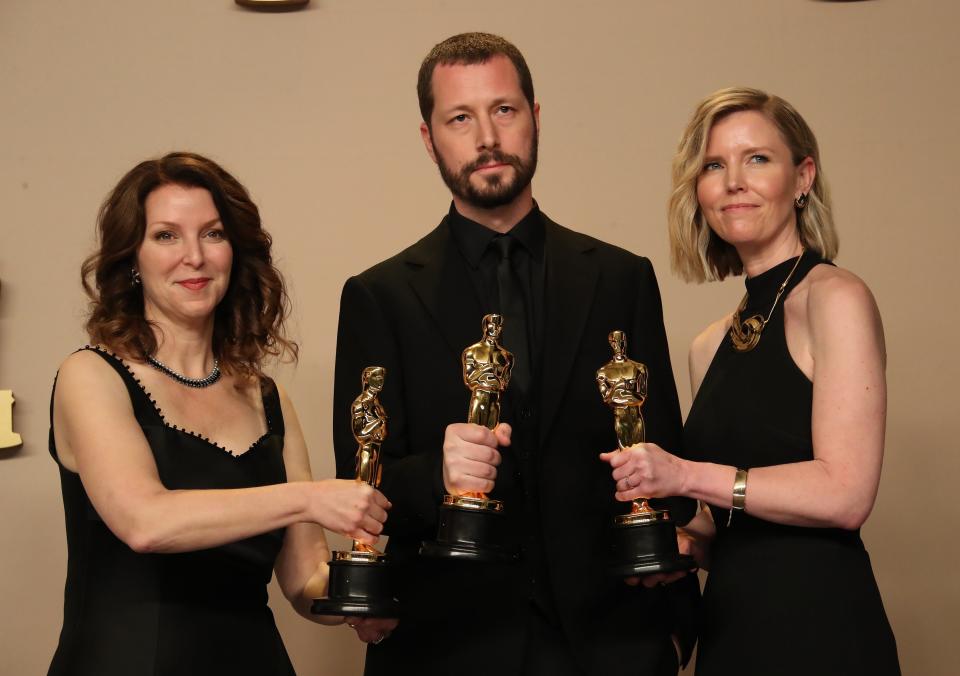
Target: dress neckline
pixel 257 443
pixel 763 287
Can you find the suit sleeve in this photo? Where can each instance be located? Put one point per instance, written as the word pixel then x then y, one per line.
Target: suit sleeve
pixel 412 480
pixel 662 408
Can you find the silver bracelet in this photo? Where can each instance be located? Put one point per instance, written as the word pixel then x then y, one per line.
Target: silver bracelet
pixel 739 502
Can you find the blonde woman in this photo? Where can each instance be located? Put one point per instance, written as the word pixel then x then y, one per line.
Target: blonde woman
pixel 785 436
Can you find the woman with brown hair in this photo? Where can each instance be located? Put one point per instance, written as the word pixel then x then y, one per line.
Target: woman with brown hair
pixel 186 480
pixel 789 390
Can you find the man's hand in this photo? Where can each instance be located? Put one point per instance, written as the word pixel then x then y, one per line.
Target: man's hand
pixel 471 458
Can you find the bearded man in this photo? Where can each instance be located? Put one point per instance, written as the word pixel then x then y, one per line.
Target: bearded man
pixel 556 610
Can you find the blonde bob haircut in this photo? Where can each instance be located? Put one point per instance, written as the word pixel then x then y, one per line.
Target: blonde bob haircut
pixel 697 253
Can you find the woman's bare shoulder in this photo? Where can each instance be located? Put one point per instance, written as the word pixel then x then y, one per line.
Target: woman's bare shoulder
pixel 841 311
pixel 834 292
pixel 824 281
pixel 85 372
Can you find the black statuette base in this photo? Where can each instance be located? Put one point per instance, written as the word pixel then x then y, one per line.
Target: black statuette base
pixel 645 547
pixel 470 534
pixel 360 588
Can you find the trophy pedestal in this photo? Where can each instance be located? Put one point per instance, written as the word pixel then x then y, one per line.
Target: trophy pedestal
pixel 361 584
pixel 646 542
pixel 470 529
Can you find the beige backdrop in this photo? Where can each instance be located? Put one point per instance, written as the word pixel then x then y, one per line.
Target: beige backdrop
pixel 316 112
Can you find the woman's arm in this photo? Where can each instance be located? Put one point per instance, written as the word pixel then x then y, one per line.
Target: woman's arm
pixel 838 487
pixel 95 426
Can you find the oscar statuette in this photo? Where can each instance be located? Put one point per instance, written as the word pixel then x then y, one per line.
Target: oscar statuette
pixel 471 525
pixel 361 581
pixel 645 540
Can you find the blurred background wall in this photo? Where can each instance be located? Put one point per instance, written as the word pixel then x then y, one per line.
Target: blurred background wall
pixel 316 113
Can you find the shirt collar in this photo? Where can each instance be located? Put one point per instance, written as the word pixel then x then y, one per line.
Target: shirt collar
pixel 473 239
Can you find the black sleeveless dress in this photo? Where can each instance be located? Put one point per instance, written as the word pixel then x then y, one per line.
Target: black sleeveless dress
pixel 779 599
pixel 202 612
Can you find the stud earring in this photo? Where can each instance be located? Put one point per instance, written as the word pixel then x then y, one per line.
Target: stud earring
pixel 800 202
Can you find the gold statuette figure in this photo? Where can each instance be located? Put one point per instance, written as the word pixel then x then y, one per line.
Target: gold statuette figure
pixel 471 526
pixel 369 422
pixel 369 425
pixel 360 581
pixel 623 386
pixel 645 540
pixel 486 372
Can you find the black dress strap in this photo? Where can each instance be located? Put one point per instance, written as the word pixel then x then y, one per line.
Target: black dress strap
pixel 271 406
pixel 144 408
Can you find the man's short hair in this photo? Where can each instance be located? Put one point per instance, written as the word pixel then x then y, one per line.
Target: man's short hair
pixel 469 49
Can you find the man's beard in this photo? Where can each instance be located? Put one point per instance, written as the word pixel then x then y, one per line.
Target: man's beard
pixel 495 191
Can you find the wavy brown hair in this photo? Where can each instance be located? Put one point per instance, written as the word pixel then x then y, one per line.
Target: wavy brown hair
pixel 248 322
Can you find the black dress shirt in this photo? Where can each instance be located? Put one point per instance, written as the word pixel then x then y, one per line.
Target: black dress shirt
pixel 520 409
pixel 475 243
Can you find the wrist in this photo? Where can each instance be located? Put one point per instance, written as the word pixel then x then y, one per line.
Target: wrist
pixel 303 503
pixel 738 498
pixel 688 470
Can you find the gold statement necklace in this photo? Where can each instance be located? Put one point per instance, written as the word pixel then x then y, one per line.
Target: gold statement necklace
pixel 746 334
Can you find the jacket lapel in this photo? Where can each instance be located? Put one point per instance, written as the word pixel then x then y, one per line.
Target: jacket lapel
pixel 440 280
pixel 571 284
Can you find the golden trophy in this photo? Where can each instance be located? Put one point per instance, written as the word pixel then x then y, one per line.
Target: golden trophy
pixel 471 525
pixel 645 540
pixel 361 583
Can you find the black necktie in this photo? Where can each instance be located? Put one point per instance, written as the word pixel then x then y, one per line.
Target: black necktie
pixel 513 309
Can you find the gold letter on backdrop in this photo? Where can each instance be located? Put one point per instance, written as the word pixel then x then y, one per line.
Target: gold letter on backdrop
pixel 8 438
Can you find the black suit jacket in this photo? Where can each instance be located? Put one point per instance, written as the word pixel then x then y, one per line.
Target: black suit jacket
pixel 414 314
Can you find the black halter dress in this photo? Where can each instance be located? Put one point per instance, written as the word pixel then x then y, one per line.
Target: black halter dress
pixel 782 600
pixel 202 612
